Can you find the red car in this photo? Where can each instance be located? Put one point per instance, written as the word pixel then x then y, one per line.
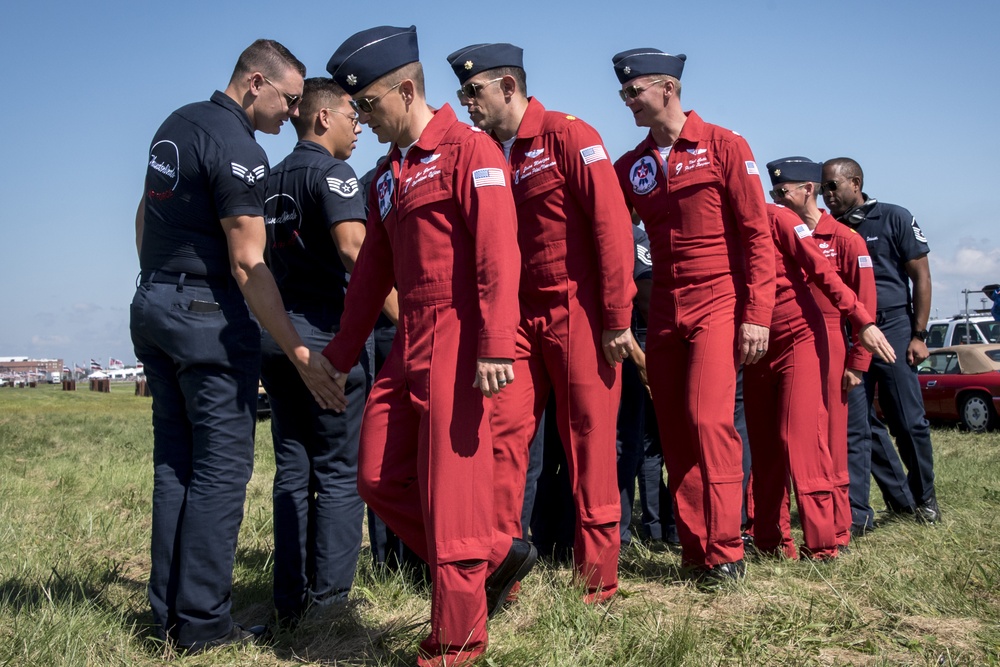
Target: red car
pixel 962 383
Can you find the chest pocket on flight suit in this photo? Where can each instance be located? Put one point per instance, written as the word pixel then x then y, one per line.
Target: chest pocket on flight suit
pixel 431 182
pixel 538 183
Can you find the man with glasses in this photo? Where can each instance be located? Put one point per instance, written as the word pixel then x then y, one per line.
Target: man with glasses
pixel 576 292
pixel 697 190
pixel 898 250
pixel 200 235
pixel 796 186
pixel 315 227
pixel 441 227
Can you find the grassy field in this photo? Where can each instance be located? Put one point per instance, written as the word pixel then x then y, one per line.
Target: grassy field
pixel 75 485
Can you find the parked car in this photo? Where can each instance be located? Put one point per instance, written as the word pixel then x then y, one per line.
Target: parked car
pixel 962 383
pixel 957 331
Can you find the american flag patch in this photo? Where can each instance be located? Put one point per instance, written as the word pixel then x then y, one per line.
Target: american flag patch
pixel 803 231
pixel 488 176
pixel 593 154
pixel 865 261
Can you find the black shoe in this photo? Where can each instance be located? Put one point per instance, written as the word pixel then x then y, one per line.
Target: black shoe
pixel 859 530
pixel 928 512
pixel 748 542
pixel 238 635
pixel 518 562
pixel 722 573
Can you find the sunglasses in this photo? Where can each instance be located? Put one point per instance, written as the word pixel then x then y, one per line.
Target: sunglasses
pixel 367 104
pixel 781 193
pixel 631 92
pixel 831 186
pixel 353 118
pixel 291 99
pixel 471 90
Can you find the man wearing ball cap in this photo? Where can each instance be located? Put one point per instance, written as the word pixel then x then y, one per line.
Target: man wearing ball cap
pixel 696 188
pixel 576 292
pixel 442 228
pixel 796 185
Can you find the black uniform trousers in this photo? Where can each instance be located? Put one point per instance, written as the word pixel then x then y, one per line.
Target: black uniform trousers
pixel 870 452
pixel 202 369
pixel 318 514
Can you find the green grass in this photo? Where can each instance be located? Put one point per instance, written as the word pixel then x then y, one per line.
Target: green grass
pixel 75 485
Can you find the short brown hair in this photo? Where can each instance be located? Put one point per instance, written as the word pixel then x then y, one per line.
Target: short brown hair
pixel 413 71
pixel 269 58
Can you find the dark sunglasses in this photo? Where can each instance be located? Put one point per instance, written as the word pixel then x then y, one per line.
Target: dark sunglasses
pixel 631 92
pixel 367 104
pixel 831 186
pixel 471 90
pixel 291 99
pixel 781 193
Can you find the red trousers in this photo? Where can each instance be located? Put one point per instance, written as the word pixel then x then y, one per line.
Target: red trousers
pixel 835 400
pixel 558 349
pixel 787 424
pixel 425 466
pixel 691 359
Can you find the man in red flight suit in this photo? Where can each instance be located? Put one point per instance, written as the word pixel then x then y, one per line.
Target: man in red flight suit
pixel 696 188
pixel 576 291
pixel 442 227
pixel 783 395
pixel 796 180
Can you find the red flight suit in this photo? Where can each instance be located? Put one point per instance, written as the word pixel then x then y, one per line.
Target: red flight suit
pixel 711 246
pixel 847 250
pixel 783 396
pixel 575 237
pixel 442 227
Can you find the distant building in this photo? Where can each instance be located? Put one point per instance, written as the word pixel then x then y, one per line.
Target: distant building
pixel 23 368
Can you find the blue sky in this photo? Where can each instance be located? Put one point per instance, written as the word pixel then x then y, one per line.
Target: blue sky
pixel 907 88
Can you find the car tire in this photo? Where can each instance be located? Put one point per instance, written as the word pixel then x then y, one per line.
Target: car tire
pixel 976 412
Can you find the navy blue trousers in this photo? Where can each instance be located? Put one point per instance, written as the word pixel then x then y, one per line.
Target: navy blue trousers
pixel 870 452
pixel 202 369
pixel 318 514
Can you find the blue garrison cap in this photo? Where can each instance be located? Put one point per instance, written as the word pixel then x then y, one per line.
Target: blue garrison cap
pixel 795 169
pixel 640 62
pixel 477 58
pixel 371 54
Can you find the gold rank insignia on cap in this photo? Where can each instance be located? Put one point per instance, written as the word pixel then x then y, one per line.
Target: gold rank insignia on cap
pixel 627 70
pixel 777 172
pixel 570 117
pixel 468 64
pixel 351 79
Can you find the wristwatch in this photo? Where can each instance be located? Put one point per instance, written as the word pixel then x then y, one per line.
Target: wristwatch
pixel 922 334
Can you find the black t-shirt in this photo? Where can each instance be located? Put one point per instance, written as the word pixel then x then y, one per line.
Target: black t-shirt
pixel 204 165
pixel 642 270
pixel 893 238
pixel 308 193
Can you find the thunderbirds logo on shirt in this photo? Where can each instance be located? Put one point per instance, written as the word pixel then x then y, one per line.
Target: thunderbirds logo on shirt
pixel 384 188
pixel 593 154
pixel 345 189
pixel 643 175
pixel 917 232
pixel 489 176
pixel 164 170
pixel 248 176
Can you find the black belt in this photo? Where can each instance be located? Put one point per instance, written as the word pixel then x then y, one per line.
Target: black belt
pixel 184 279
pixel 889 313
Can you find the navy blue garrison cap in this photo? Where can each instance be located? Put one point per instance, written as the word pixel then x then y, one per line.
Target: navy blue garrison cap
pixel 795 169
pixel 640 62
pixel 477 58
pixel 371 54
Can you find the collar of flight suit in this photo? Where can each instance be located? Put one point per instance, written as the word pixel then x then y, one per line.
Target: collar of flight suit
pixel 692 132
